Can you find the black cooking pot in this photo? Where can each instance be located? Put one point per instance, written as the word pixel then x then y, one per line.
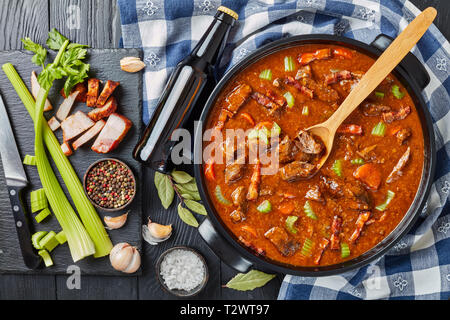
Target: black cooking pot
pixel 413 76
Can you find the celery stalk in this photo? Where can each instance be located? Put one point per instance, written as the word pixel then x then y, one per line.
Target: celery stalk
pixel 86 210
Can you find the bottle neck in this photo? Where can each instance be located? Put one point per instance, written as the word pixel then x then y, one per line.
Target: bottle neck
pixel 210 47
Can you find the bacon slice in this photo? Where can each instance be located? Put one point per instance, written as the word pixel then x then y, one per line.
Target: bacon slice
pixel 350 129
pixel 66 149
pixel 75 125
pixel 392 116
pixel 360 222
pixel 92 94
pixel 35 90
pixel 107 91
pixel 344 53
pixel 321 54
pixel 303 89
pixel 88 135
pixel 54 124
pixel 322 246
pixel 336 227
pixel 103 112
pixel 270 104
pixel 397 171
pixel 112 134
pixel 82 92
pixel 255 180
pixel 335 77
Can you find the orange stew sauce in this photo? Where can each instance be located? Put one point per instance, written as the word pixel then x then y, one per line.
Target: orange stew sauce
pixel 337 214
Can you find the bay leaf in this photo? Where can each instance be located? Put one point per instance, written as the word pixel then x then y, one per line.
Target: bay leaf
pixel 166 192
pixel 187 216
pixel 182 189
pixel 196 207
pixel 181 177
pixel 191 186
pixel 250 280
pixel 187 196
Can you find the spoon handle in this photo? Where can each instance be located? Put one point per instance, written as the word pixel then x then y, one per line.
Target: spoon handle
pixel 390 58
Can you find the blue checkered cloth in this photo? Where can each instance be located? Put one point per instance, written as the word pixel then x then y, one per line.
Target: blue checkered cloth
pixel 418 267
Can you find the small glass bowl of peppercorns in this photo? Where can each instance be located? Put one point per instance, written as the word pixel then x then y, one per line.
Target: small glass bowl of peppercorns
pixel 110 184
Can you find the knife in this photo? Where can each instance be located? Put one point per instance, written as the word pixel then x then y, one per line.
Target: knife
pixel 16 181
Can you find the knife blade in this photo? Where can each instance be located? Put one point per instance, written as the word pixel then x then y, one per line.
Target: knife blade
pixel 16 181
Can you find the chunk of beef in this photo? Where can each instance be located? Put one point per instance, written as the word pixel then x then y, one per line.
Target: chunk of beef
pixel 357 196
pixel 238 97
pixel 234 171
pixel 297 170
pixel 330 187
pixel 323 92
pixel 397 171
pixel 374 110
pixel 281 240
pixel 336 227
pixel 286 150
pixel 303 72
pixel 237 216
pixel 238 197
pixel 403 134
pixel 392 116
pixel 308 144
pixel 366 152
pixel 315 194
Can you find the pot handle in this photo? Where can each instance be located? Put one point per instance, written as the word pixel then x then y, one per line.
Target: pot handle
pixel 410 64
pixel 222 248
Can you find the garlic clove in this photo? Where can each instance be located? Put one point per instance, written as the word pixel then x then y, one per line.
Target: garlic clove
pixel 115 222
pixel 155 233
pixel 131 64
pixel 135 262
pixel 125 258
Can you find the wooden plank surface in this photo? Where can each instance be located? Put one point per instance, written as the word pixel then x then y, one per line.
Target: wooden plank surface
pixel 17 19
pixel 99 27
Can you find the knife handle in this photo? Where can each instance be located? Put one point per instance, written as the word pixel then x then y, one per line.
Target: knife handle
pixel 30 258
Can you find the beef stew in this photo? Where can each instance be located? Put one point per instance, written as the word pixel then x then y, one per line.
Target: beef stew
pixel 364 189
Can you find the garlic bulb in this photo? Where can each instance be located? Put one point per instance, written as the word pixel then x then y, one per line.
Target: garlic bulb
pixel 125 258
pixel 115 222
pixel 155 233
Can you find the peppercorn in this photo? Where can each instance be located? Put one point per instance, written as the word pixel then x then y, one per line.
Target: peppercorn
pixel 110 184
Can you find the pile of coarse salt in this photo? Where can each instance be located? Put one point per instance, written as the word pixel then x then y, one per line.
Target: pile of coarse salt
pixel 182 270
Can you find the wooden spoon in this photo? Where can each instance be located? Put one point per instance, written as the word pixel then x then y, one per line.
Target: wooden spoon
pixel 392 56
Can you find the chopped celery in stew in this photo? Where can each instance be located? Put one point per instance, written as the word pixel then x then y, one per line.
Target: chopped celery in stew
pixel 301 216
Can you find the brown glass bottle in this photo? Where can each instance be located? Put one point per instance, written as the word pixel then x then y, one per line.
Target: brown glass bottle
pixel 182 91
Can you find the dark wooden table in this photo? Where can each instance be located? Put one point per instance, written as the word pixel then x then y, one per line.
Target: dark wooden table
pixel 99 27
